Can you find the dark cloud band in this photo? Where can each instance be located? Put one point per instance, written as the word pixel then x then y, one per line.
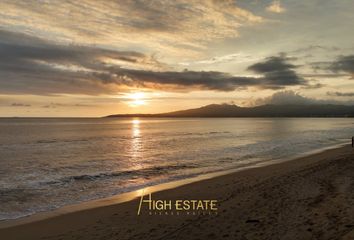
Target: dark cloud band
pixel 278 71
pixel 343 64
pixel 341 94
pixel 34 66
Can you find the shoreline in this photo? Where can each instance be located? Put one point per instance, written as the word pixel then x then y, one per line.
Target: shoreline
pixel 89 212
pixel 131 195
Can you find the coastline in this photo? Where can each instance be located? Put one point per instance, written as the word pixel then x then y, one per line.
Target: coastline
pixel 131 195
pixel 120 211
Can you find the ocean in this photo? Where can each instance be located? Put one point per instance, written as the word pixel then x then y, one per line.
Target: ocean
pixel 49 163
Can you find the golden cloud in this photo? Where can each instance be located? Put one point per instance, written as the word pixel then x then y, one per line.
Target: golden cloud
pixel 180 27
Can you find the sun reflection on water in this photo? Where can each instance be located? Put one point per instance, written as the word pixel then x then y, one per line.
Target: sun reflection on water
pixel 136 144
pixel 136 121
pixel 136 128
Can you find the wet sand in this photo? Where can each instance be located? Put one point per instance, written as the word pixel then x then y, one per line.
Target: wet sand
pixel 307 198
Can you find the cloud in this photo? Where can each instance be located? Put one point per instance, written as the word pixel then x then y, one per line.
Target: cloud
pixel 314 86
pixel 275 7
pixel 234 58
pixel 312 48
pixel 294 98
pixel 343 64
pixel 184 80
pixel 56 105
pixel 35 66
pixel 278 71
pixel 174 27
pixel 324 75
pixel 284 98
pixel 26 48
pixel 341 94
pixel 20 105
pixel 30 65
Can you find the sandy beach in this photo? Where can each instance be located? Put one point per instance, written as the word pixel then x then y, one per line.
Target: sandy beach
pixel 307 198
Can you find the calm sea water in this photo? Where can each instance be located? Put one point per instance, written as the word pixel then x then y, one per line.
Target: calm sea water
pixel 48 163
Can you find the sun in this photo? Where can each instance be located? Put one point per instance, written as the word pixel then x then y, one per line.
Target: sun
pixel 136 99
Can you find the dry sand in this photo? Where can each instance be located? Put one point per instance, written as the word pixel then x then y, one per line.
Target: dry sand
pixel 307 198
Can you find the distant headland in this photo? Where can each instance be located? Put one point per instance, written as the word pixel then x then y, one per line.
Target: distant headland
pixel 230 110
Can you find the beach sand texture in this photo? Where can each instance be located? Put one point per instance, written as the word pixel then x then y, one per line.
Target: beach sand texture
pixel 308 198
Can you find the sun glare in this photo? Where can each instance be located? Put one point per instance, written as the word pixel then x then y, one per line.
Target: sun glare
pixel 137 99
pixel 135 121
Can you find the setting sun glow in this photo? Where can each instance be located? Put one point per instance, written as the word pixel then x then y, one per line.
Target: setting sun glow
pixel 136 99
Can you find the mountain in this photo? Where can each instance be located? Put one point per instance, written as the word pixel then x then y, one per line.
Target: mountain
pixel 229 110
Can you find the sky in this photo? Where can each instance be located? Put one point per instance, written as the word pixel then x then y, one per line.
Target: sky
pixel 66 58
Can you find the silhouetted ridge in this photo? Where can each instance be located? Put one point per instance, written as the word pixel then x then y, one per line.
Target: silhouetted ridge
pixel 229 110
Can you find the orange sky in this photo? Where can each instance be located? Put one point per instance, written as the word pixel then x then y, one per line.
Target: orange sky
pixel 95 58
